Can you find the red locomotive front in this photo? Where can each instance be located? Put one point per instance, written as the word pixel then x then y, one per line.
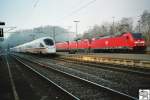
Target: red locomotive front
pixel 139 42
pixel 125 41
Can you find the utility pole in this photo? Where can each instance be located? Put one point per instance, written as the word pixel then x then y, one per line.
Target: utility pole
pixel 54 34
pixel 113 26
pixel 76 22
pixel 139 22
pixel 139 25
pixel 8 47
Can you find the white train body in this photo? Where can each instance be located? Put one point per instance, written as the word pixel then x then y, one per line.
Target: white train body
pixel 45 45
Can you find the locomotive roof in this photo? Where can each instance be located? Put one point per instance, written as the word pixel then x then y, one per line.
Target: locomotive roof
pixel 112 35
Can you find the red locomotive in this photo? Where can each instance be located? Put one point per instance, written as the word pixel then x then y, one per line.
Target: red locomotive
pixel 124 42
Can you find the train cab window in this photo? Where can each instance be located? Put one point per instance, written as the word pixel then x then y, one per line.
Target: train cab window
pixel 137 35
pixel 48 42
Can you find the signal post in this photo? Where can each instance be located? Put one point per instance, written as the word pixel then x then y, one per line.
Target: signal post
pixel 2 31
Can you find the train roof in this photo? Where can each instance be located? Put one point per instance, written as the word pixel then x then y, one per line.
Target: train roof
pixel 34 41
pixel 112 35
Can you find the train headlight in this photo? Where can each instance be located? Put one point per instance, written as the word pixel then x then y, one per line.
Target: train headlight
pixel 141 42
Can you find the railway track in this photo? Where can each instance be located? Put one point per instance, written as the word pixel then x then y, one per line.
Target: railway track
pixel 6 92
pixel 118 95
pixel 147 52
pixel 26 85
pixel 140 60
pixel 127 82
pixel 133 70
pixel 57 92
pixel 115 66
pixel 128 61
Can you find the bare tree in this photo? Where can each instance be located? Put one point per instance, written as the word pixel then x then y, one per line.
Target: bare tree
pixel 144 25
pixel 126 24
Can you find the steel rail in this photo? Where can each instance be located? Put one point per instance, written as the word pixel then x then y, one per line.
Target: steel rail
pixel 16 97
pixel 74 97
pixel 106 67
pixel 85 80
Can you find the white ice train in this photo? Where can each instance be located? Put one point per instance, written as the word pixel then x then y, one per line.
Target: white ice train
pixel 45 45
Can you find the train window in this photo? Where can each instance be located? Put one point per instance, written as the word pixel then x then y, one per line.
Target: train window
pixel 48 42
pixel 137 35
pixel 41 45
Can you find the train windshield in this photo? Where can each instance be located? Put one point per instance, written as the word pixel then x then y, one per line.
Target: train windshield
pixel 48 42
pixel 137 35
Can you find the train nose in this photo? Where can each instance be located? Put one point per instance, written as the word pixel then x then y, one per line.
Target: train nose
pixel 51 49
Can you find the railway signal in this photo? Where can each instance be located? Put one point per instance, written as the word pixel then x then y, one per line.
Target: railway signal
pixel 2 23
pixel 2 31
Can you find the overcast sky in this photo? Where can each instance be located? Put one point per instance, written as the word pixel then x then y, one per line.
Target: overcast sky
pixel 27 14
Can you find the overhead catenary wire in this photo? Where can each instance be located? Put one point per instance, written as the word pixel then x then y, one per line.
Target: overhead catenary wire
pixel 35 4
pixel 79 9
pixel 71 13
pixel 82 7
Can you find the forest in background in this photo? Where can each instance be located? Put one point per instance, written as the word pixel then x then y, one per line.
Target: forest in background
pixel 115 28
pixel 23 36
pixel 124 25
